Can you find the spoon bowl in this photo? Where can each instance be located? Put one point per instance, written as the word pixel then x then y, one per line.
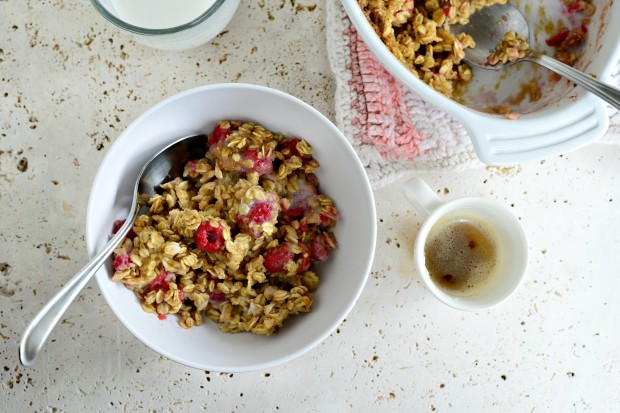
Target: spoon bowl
pixel 167 164
pixel 487 27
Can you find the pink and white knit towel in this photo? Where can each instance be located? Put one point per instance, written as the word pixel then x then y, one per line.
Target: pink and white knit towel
pixel 393 130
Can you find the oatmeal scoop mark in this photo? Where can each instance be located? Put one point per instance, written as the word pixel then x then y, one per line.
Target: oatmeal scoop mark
pixel 236 238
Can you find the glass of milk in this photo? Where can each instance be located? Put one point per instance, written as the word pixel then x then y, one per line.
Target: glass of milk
pixel 169 24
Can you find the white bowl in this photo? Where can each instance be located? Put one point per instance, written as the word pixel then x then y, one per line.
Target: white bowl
pixel 341 176
pixel 565 119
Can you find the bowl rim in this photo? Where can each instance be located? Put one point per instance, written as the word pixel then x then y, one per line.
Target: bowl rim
pixel 91 233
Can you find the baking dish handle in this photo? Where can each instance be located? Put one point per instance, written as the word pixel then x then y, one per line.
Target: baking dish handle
pixel 535 137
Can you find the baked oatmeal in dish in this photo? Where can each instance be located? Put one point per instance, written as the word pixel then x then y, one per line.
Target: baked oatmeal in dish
pixel 236 239
pixel 418 34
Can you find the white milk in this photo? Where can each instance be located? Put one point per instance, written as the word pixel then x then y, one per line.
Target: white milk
pixel 159 14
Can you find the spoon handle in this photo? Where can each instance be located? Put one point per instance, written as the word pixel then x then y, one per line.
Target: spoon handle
pixel 606 92
pixel 44 322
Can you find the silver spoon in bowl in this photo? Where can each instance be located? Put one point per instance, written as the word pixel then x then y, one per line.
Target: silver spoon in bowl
pixel 488 25
pixel 166 164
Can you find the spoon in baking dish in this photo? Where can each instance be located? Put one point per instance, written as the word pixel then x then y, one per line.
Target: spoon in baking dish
pixel 167 164
pixel 487 27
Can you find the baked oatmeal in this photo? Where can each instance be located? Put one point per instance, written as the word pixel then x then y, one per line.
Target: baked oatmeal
pixel 236 239
pixel 512 48
pixel 418 34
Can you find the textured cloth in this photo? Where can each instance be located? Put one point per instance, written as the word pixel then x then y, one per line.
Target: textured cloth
pixel 393 130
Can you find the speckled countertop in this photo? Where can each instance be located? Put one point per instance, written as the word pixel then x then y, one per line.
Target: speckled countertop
pixel 69 85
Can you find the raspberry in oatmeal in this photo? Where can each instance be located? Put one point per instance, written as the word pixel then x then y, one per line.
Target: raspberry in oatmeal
pixel 209 237
pixel 275 259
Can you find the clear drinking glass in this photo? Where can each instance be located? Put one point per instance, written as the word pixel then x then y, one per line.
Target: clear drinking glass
pixel 186 36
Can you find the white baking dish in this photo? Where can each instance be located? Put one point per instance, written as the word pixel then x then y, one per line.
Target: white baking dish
pixel 564 119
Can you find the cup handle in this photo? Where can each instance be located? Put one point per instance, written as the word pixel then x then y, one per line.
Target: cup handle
pixel 421 196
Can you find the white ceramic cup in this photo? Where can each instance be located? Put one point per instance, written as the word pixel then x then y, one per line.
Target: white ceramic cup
pixel 510 240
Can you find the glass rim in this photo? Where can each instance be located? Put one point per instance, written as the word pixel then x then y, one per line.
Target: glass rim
pixel 154 32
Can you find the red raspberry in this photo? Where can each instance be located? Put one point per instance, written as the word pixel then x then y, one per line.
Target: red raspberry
pixel 330 214
pixel 294 211
pixel 303 263
pixel 209 238
pixel 319 248
pixel 161 281
pixel 558 38
pixel 299 200
pixel 118 224
pixel 191 166
pixel 260 212
pixel 576 6
pixel 262 162
pixel 121 262
pixel 220 134
pixel 275 259
pixel 190 169
pixel 303 228
pixel 217 296
pixel 289 147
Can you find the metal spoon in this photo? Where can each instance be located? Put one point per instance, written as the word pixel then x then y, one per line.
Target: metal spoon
pixel 487 27
pixel 166 164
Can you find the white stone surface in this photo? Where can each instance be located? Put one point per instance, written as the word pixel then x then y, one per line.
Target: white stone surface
pixel 70 83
